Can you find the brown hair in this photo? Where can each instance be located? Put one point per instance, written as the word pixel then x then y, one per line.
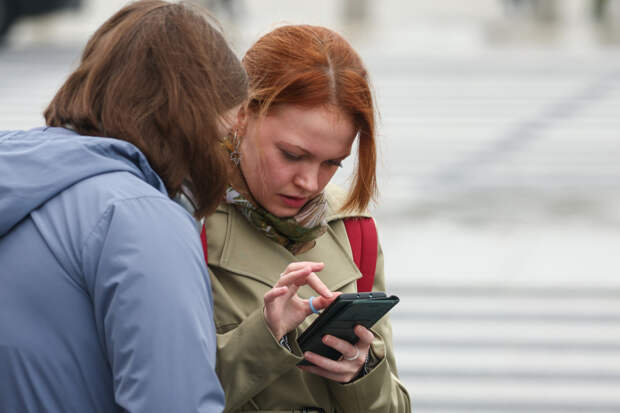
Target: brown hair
pixel 312 66
pixel 158 75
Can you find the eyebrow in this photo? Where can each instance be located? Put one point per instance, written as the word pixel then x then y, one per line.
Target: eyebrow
pixel 306 152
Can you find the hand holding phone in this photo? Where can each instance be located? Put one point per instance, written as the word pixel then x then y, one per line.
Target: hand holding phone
pixel 340 318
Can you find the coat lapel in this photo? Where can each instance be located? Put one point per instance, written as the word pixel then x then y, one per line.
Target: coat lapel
pixel 249 253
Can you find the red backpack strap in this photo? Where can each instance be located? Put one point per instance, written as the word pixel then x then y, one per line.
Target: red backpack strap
pixel 364 244
pixel 203 238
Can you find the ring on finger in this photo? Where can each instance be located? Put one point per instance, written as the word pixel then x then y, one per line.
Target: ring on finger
pixel 314 310
pixel 357 354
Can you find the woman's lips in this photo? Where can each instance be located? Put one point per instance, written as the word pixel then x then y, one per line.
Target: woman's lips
pixel 293 201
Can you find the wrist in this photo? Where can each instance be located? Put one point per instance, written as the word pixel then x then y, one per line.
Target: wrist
pixel 364 370
pixel 276 333
pixel 284 343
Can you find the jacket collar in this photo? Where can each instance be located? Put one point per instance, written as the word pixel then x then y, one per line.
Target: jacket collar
pixel 245 251
pixel 336 197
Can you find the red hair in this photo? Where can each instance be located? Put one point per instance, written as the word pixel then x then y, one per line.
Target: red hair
pixel 314 66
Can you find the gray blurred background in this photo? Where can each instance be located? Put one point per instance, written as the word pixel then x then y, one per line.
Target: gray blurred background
pixel 500 181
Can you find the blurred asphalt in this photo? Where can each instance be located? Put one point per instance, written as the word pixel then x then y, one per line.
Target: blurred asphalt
pixel 500 184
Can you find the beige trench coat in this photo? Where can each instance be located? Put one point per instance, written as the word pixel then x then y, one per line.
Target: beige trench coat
pixel 257 373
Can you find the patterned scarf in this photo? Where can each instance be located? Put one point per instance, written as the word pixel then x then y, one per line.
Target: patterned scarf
pixel 298 234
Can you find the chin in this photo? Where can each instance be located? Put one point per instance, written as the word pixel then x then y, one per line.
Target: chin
pixel 283 211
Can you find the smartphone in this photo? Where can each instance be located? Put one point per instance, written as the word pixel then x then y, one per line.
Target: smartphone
pixel 339 319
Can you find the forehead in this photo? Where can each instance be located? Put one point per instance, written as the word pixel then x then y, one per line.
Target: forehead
pixel 315 129
pixel 328 113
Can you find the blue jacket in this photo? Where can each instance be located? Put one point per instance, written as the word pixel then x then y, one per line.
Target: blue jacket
pixel 105 302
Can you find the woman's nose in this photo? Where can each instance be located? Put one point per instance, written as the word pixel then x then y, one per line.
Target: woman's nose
pixel 308 179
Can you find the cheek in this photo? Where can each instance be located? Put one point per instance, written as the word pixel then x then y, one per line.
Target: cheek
pixel 326 175
pixel 254 169
pixel 282 174
pixel 274 173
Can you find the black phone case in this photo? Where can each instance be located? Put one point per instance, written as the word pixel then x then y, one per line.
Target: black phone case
pixel 339 319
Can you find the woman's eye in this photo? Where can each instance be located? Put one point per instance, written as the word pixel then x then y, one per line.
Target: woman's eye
pixel 291 156
pixel 335 163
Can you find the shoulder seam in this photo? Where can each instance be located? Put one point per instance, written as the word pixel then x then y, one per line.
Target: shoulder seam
pixel 107 212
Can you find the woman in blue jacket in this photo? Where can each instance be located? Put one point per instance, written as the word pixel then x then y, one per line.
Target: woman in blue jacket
pixel 104 305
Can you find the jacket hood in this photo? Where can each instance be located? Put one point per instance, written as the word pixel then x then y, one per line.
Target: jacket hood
pixel 38 164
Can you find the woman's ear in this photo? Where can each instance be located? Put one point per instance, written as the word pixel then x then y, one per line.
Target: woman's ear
pixel 241 124
pixel 229 121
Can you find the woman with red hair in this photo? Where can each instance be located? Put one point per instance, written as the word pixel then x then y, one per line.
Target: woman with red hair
pixel 280 237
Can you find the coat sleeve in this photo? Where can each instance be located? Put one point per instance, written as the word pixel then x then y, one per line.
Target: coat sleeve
pixel 153 308
pixel 238 345
pixel 380 390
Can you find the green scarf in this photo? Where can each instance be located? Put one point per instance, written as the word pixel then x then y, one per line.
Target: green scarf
pixel 298 234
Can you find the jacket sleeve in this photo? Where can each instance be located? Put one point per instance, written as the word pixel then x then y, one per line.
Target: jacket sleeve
pixel 238 345
pixel 380 390
pixel 153 308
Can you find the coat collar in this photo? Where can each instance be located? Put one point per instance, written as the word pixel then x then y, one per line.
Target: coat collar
pixel 245 251
pixel 235 246
pixel 336 197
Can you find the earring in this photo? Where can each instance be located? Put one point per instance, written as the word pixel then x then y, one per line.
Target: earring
pixel 232 143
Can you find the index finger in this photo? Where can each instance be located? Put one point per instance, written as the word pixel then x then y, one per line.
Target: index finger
pixel 317 285
pixel 294 266
pixel 298 277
